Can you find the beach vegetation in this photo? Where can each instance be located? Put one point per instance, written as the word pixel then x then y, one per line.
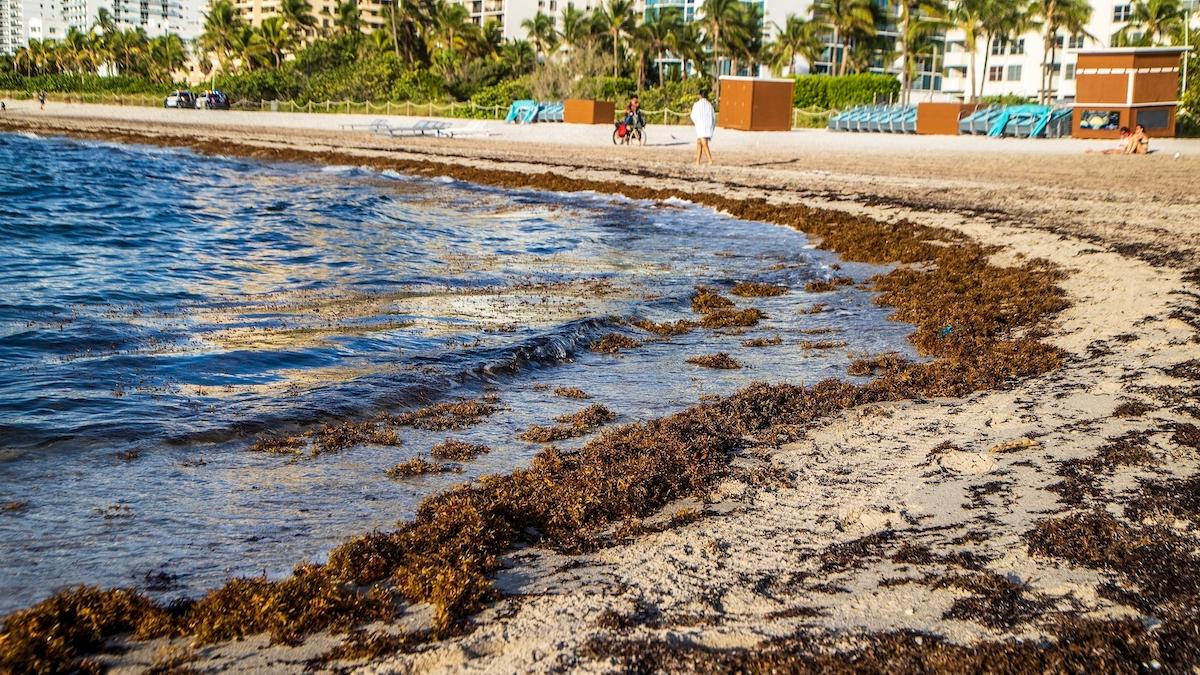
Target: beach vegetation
pixel 613 343
pixel 571 426
pixel 666 328
pixel 720 361
pixel 707 300
pixel 751 289
pixel 763 342
pixel 419 466
pixel 732 318
pixel 571 392
pixel 827 285
pixel 459 451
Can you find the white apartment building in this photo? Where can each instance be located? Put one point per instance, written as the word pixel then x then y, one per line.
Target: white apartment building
pixel 1015 66
pixel 25 20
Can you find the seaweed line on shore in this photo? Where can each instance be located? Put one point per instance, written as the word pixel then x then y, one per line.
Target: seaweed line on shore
pixel 983 337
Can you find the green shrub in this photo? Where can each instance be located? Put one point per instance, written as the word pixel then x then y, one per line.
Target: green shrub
pixel 1004 99
pixel 678 95
pixel 418 86
pixel 275 84
pixel 501 95
pixel 605 88
pixel 365 80
pixel 842 91
pixel 325 55
pixel 74 83
pixel 810 91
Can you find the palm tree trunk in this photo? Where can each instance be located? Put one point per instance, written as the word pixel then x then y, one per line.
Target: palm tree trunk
pixel 396 27
pixel 905 76
pixel 987 54
pixel 616 46
pixel 833 54
pixel 971 52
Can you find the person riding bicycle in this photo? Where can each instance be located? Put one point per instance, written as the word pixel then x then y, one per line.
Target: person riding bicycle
pixel 634 119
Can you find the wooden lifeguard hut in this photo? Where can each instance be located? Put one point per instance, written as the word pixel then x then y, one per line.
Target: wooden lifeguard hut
pixel 1126 86
pixel 756 104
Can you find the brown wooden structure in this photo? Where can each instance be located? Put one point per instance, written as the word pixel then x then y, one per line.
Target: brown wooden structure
pixel 756 104
pixel 942 118
pixel 1126 86
pixel 586 111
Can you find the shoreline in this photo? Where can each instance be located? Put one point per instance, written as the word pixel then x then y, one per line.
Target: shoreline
pixel 970 464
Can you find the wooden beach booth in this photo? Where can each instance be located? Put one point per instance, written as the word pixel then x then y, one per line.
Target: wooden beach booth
pixel 1125 86
pixel 586 111
pixel 756 104
pixel 942 118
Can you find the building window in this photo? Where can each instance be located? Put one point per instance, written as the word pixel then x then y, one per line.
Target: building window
pixel 1069 71
pixel 1014 73
pixel 1076 42
pixel 1017 46
pixel 1121 13
pixel 995 73
pixel 1154 118
pixel 1058 41
pixel 997 46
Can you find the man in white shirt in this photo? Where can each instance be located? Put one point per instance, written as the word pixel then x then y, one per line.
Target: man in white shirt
pixel 705 120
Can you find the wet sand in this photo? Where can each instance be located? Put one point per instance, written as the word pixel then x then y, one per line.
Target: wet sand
pixel 901 516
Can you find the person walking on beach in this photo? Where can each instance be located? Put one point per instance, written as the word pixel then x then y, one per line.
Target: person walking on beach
pixel 705 120
pixel 42 99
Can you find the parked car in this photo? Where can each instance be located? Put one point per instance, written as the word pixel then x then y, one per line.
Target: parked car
pixel 180 99
pixel 212 100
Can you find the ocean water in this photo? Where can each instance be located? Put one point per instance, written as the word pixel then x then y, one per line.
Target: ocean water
pixel 160 310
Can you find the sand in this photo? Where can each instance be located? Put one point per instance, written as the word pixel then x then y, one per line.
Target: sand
pixel 957 476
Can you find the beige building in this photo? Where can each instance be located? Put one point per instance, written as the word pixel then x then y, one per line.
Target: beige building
pixel 510 14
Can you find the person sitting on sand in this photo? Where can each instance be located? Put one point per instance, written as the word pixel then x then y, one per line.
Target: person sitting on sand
pixel 1139 141
pixel 1122 149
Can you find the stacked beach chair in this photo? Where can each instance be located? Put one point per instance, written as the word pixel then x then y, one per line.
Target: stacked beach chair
pixel 528 112
pixel 892 119
pixel 1020 121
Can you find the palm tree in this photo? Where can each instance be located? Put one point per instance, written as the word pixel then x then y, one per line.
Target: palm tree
pixel 969 17
pixel 1069 15
pixel 576 27
pixel 1156 21
pixel 918 20
pixel 659 29
pixel 718 13
pixel 248 46
pixel 347 18
pixel 491 37
pixel 796 38
pixel 846 19
pixel 742 38
pixel 519 55
pixel 222 26
pixel 1002 19
pixel 541 33
pixel 617 19
pixel 688 45
pixel 277 38
pixel 298 17
pixel 450 21
pixel 168 55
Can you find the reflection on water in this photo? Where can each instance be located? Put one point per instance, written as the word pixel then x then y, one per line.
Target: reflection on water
pixel 160 309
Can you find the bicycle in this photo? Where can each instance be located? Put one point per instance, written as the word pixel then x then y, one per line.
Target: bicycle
pixel 624 134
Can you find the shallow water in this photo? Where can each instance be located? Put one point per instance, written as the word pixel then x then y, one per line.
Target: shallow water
pixel 171 307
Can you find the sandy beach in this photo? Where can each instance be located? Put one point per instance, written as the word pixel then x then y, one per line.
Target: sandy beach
pixel 909 535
